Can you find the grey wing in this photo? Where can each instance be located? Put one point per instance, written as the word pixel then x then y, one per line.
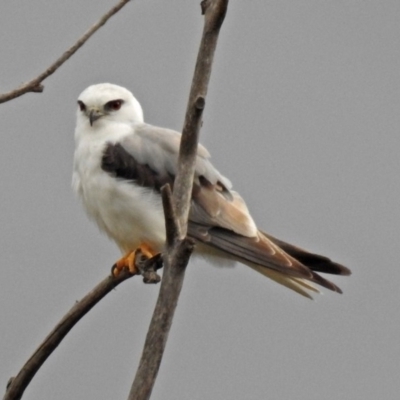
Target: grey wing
pixel 213 203
pixel 159 149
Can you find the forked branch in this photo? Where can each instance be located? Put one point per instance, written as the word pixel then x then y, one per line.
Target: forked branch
pixel 176 209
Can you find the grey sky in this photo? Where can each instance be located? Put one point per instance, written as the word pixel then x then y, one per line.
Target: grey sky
pixel 302 115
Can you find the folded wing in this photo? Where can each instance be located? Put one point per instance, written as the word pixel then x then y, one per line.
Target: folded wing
pixel 219 217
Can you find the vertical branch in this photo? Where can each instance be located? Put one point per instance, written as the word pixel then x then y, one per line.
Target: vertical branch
pixel 214 16
pixel 176 209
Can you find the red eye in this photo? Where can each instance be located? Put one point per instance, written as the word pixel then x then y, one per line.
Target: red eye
pixel 81 105
pixel 114 105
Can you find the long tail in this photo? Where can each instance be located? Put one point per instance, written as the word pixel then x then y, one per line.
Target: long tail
pixel 282 262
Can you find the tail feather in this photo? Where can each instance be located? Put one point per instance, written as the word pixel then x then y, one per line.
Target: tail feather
pixel 313 261
pixel 282 262
pixel 298 285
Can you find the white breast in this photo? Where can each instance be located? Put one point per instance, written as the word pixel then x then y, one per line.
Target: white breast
pixel 129 214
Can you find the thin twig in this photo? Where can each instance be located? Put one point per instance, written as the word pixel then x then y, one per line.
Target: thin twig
pixel 20 382
pixel 176 210
pixel 35 85
pixel 17 385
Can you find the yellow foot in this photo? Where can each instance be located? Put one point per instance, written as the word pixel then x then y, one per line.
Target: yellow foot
pixel 128 261
pixel 145 250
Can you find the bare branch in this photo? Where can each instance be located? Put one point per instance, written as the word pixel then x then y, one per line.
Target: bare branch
pixel 171 226
pixel 160 324
pixel 35 85
pixel 214 15
pixel 16 386
pixel 179 248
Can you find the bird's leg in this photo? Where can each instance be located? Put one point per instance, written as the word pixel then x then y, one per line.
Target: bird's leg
pixel 146 250
pixel 129 259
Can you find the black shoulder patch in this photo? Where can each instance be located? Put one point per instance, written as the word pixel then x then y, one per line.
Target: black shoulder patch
pixel 120 164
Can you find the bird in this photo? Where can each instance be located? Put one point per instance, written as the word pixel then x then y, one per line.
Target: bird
pixel 121 163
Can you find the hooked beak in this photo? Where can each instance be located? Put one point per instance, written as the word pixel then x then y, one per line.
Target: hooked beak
pixel 94 115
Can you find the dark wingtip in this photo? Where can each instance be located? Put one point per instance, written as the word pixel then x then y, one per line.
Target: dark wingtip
pixel 313 261
pixel 325 265
pixel 344 270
